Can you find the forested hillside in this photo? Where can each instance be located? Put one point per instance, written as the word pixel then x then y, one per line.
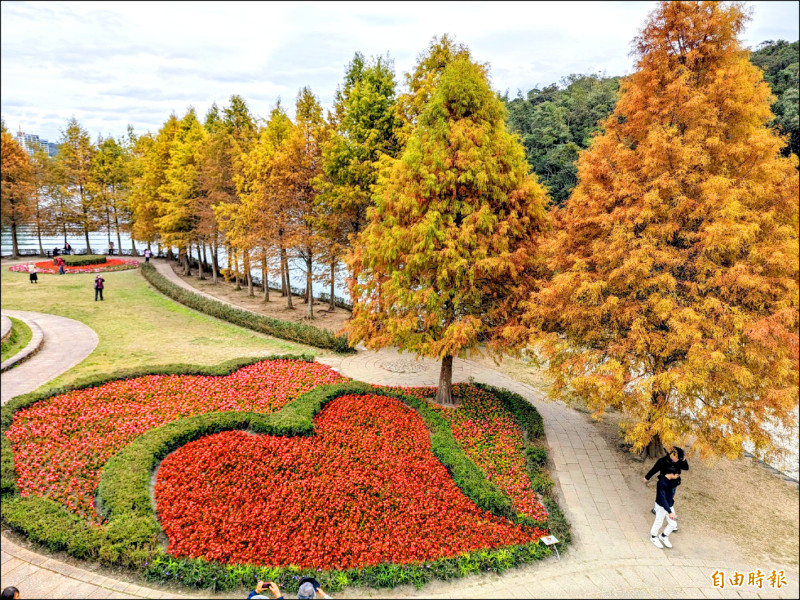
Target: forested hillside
pixel 557 121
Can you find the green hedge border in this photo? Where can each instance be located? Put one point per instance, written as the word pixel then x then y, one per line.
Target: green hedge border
pixel 531 423
pixel 295 332
pixel 131 536
pixel 79 260
pixel 19 338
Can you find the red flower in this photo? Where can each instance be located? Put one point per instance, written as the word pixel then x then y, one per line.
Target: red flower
pixel 364 489
pixel 61 444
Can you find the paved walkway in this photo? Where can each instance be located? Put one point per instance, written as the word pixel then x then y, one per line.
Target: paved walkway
pixel 611 556
pixel 66 343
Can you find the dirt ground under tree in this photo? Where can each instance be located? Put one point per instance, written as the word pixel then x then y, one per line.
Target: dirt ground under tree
pixel 276 307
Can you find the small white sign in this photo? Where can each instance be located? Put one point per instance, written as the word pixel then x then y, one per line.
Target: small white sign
pixel 549 540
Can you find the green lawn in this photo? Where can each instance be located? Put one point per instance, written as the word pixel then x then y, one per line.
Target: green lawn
pixel 137 326
pixel 20 336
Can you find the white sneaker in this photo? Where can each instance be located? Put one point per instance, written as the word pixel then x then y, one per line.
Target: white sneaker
pixel 656 542
pixel 664 539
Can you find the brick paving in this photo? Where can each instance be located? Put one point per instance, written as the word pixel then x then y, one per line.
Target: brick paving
pixel 611 556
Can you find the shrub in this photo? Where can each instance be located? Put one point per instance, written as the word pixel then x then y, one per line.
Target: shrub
pixel 295 332
pixel 536 454
pixel 72 260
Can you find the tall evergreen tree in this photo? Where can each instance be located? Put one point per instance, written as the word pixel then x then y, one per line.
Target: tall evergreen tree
pixel 441 266
pixel 178 214
pixel 151 159
pixel 110 175
pixel 366 125
pixel 674 297
pixel 75 156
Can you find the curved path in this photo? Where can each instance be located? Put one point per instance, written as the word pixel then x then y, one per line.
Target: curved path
pixel 611 556
pixel 66 343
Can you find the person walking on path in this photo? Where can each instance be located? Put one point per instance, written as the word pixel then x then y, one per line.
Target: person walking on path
pixel 98 287
pixel 665 497
pixel 147 255
pixel 674 460
pixel 32 273
pixel 60 262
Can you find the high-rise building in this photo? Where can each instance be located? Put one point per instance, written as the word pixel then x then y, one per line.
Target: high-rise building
pixel 31 143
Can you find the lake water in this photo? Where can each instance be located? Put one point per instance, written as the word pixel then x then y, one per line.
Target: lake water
pixel 27 241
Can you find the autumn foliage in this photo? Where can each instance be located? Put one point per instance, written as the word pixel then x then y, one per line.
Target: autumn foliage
pixel 453 231
pixel 674 294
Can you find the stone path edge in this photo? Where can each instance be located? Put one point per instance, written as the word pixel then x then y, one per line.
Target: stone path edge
pixel 37 339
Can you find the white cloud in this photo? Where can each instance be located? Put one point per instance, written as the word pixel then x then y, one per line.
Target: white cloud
pixel 139 61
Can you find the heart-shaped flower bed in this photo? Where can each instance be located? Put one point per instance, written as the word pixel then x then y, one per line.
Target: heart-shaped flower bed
pixel 61 444
pixel 364 489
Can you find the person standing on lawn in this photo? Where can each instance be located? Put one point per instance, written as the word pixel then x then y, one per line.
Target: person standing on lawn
pixel 32 273
pixel 60 262
pixel 98 287
pixel 675 459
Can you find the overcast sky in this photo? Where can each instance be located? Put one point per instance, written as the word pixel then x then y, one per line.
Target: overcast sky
pixel 114 63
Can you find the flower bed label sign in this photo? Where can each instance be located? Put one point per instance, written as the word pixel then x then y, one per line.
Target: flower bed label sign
pixel 551 540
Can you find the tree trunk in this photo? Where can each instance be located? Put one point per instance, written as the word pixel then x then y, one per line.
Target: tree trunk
pixel 187 266
pixel 444 394
pixel 200 274
pixel 265 277
pixel 288 285
pixel 236 269
pixel 655 448
pixel 88 245
pixel 135 252
pixel 119 237
pixel 85 221
pixel 333 276
pixel 39 226
pixel 309 287
pixel 284 282
pixel 215 260
pixel 205 257
pixel 14 244
pixel 108 225
pixel 248 271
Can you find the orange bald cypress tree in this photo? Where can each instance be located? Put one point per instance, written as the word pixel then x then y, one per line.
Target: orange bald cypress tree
pixel 675 290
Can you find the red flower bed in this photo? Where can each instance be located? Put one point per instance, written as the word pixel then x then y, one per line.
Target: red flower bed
pixel 112 264
pixel 61 444
pixel 491 438
pixel 364 489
